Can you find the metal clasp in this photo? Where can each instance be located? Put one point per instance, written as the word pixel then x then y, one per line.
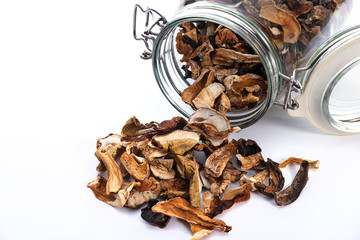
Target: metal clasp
pixel 150 33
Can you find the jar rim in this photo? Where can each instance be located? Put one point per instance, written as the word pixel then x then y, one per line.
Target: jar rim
pixel 236 22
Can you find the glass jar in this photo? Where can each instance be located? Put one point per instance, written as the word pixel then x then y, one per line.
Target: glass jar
pixel 316 56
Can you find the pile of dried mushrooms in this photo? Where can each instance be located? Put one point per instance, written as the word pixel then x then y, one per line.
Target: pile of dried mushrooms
pixel 159 164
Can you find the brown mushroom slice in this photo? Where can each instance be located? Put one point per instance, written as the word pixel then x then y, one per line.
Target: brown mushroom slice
pixel 195 68
pixel 180 208
pixel 162 168
pixel 219 186
pixel 222 104
pixel 225 38
pixel 203 147
pixel 189 169
pixel 150 151
pixel 178 141
pixel 312 164
pixel 145 191
pixel 209 203
pixel 181 46
pixel 177 187
pixel 259 177
pixel 300 6
pixel 111 144
pixel 291 193
pixel 250 82
pixel 217 206
pixel 137 169
pixel 115 179
pixel 216 162
pixel 194 53
pixel 276 180
pixel 221 73
pixel 98 186
pixel 204 80
pixel 134 128
pixel 176 123
pixel 226 57
pixel 207 60
pixel 233 173
pixel 207 96
pixel 289 24
pixel 202 120
pixel 158 219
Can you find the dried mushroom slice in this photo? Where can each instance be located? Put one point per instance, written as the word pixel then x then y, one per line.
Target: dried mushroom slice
pixel 289 24
pixel 162 168
pixel 225 38
pixel 143 193
pixel 150 151
pixel 229 198
pixel 250 155
pixel 111 144
pixel 227 57
pixel 216 162
pixel 98 186
pixel 137 169
pixel 259 177
pixel 205 78
pixel 291 193
pixel 300 6
pixel 276 180
pixel 178 142
pixel 115 178
pixel 157 219
pixel 133 128
pixel 312 164
pixel 181 46
pixel 222 104
pixel 176 187
pixel 212 125
pixel 180 208
pixel 176 123
pixel 233 173
pixel 206 98
pixel 199 232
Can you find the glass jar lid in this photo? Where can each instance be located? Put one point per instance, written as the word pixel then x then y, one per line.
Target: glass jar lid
pixel 331 97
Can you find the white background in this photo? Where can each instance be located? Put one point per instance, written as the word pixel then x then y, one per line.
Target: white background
pixel 70 72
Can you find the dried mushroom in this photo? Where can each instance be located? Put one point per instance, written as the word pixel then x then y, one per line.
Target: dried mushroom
pixel 217 161
pixel 199 232
pixel 137 167
pixel 178 141
pixel 176 187
pixel 312 164
pixel 142 193
pixel 176 123
pixel 206 98
pixel 158 219
pixel 115 179
pixel 287 21
pixel 150 151
pixel 276 180
pixel 212 125
pixel 133 128
pixel 98 186
pixel 291 193
pixel 180 208
pixel 249 154
pixel 162 168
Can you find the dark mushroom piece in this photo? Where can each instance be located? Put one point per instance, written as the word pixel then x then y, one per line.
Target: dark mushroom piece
pixel 158 219
pixel 291 193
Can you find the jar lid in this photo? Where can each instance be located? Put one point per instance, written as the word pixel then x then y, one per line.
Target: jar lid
pixel 331 97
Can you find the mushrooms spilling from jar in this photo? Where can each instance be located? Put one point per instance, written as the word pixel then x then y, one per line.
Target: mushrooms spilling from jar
pixel 160 164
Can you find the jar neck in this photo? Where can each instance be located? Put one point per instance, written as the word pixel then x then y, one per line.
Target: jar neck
pixel 168 71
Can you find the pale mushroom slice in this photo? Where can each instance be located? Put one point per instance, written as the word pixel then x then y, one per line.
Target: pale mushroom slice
pixel 177 142
pixel 199 231
pixel 289 24
pixel 98 186
pixel 111 144
pixel 143 192
pixel 115 178
pixel 212 125
pixel 150 151
pixel 216 162
pixel 137 167
pixel 162 168
pixel 312 164
pixel 206 98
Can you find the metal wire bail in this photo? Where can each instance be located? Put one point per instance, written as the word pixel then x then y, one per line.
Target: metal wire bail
pixel 149 35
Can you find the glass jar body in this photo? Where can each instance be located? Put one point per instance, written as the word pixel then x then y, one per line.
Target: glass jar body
pixel 280 52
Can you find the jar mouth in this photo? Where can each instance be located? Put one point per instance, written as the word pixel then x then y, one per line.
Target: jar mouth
pixel 170 77
pixel 341 99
